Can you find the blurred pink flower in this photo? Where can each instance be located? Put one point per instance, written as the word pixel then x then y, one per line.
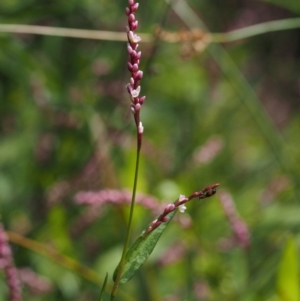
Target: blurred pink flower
pixel 173 254
pixel 98 199
pixel 10 271
pixel 208 151
pixel 274 188
pixel 36 284
pixel 201 290
pixel 117 197
pixel 238 226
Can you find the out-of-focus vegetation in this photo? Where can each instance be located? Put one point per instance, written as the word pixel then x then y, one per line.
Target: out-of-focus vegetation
pixel 227 114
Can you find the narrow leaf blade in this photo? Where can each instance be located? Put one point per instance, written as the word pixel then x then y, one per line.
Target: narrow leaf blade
pixel 103 288
pixel 288 273
pixel 141 249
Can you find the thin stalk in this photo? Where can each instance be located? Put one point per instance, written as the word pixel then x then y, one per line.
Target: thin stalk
pixel 234 35
pixel 69 32
pixel 54 255
pixel 255 30
pixel 60 259
pixel 122 261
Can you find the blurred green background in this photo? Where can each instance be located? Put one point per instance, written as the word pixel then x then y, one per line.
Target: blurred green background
pixel 228 114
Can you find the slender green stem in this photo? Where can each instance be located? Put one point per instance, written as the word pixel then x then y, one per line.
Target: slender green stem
pixel 70 32
pixel 122 261
pixel 257 29
pixel 60 259
pixel 231 36
pixel 103 287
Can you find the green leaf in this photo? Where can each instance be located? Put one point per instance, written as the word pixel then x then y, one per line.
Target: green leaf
pixel 288 273
pixel 141 249
pixel 103 287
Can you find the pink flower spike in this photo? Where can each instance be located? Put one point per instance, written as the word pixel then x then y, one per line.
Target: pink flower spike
pixel 10 271
pixel 164 219
pixel 133 66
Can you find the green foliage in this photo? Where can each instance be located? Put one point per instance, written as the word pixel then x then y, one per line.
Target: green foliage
pixel 288 273
pixel 228 114
pixel 103 288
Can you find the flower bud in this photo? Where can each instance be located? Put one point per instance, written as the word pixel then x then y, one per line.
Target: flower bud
pixel 129 88
pixel 131 18
pixel 169 208
pixel 129 49
pixel 129 66
pixel 142 99
pixel 139 75
pixel 154 223
pixel 134 25
pixel 135 67
pixel 134 7
pixel 137 107
pixel 133 54
pixel 138 55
